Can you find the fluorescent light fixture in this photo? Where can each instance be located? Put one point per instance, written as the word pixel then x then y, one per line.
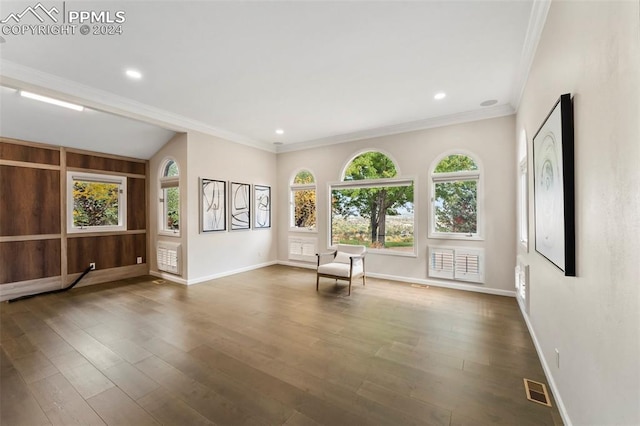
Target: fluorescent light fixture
pixel 51 101
pixel 279 132
pixel 136 75
pixel 440 95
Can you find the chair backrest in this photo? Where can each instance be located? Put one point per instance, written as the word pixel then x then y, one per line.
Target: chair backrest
pixel 348 249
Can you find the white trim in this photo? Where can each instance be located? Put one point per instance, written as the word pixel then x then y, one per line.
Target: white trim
pixel 165 183
pixel 547 371
pixel 401 181
pixel 358 153
pixel 477 288
pixel 232 272
pixel 121 181
pixel 169 277
pixel 179 280
pixel 537 19
pixel 477 175
pixel 20 77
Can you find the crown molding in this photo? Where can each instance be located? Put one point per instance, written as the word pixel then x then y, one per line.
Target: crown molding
pixel 429 123
pixel 24 78
pixel 537 19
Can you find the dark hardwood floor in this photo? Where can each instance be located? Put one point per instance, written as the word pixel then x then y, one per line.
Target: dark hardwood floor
pixel 263 347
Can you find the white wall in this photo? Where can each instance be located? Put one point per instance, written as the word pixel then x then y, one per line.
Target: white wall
pixel 215 254
pixel 592 50
pixel 493 143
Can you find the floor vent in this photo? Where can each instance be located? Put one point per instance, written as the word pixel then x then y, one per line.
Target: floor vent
pixel 420 286
pixel 537 392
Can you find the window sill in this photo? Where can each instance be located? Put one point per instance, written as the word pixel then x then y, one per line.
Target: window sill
pixel 456 237
pixel 304 230
pixel 387 252
pixel 96 229
pixel 169 234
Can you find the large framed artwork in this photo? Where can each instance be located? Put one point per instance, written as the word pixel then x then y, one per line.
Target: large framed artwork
pixel 213 205
pixel 262 215
pixel 240 205
pixel 553 184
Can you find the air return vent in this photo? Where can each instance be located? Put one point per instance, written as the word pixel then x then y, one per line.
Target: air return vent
pixel 168 257
pixel 537 392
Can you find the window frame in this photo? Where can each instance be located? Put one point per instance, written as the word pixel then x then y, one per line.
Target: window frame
pixel 164 183
pixel 295 187
pixel 466 175
pixel 374 183
pixel 121 180
pixel 523 192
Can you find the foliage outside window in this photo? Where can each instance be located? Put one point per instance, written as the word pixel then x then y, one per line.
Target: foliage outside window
pixel 303 201
pixel 96 202
pixel 455 197
pixel 170 198
pixel 372 206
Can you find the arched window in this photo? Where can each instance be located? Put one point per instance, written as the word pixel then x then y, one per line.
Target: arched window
pixel 455 194
pixel 170 198
pixel 372 206
pixel 303 201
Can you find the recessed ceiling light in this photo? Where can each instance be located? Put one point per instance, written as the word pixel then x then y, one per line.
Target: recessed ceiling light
pixel 134 74
pixel 279 132
pixel 439 95
pixel 489 102
pixel 51 101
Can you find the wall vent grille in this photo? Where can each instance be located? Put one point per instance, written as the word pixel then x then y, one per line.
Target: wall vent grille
pixel 303 249
pixel 168 257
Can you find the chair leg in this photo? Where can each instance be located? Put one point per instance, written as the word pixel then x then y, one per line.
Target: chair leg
pixel 364 280
pixel 317 282
pixel 349 294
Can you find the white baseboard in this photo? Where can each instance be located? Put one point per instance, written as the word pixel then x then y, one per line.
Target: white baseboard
pixel 547 371
pixel 435 283
pixel 169 277
pixel 182 281
pixel 294 264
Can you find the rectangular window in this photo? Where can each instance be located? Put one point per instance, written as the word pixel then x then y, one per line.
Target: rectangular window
pixel 379 215
pixel 303 205
pixel 96 202
pixel 171 209
pixel 455 207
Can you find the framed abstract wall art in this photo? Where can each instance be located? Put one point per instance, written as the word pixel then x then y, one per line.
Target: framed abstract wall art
pixel 213 205
pixel 262 215
pixel 240 205
pixel 554 194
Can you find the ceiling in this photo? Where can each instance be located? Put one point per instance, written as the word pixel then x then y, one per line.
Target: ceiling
pixel 324 72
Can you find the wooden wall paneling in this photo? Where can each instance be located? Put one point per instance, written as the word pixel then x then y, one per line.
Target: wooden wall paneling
pixel 136 204
pixel 110 251
pixel 29 154
pixel 30 201
pixel 29 260
pixel 63 214
pixel 94 162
